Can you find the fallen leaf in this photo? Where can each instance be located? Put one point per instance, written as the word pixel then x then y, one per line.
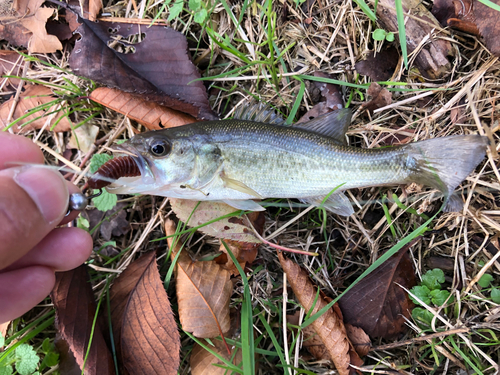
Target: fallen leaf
pixel 146 335
pixel 202 361
pixel 314 345
pixel 473 17
pixel 377 304
pixel 329 326
pixel 359 339
pixel 95 7
pixel 40 41
pixel 152 115
pixel 203 293
pixel 331 99
pixel 33 96
pixel 232 228
pixel 379 66
pixel 83 137
pixel 25 26
pixel 75 307
pixel 11 63
pixel 117 225
pixel 380 97
pixel 244 252
pixel 157 67
pixel 488 23
pixel 3 330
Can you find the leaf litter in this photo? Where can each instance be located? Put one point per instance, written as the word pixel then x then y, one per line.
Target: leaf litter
pixel 355 243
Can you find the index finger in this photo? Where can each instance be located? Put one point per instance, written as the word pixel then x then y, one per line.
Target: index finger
pixel 17 149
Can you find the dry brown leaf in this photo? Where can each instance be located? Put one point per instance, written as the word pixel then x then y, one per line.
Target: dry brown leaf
pixel 32 97
pixel 380 97
pixel 312 342
pixel 11 63
pixel 233 228
pixel 145 331
pixel 380 66
pixel 244 252
pixel 359 339
pixel 158 67
pixel 203 293
pixel 473 17
pixel 75 306
pixel 83 137
pixel 377 304
pixel 95 7
pixel 3 330
pixel 328 326
pixel 150 114
pixel 25 26
pixel 202 361
pixel 40 41
pixel 331 99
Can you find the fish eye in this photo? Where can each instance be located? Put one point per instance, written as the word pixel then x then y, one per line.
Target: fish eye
pixel 160 148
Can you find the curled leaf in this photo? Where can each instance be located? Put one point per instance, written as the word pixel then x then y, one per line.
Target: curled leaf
pixel 31 98
pixel 203 362
pixel 75 306
pixel 145 331
pixel 329 326
pixel 150 114
pixel 203 293
pixel 232 228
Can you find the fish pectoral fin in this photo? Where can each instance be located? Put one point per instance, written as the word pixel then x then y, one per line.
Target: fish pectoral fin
pixel 336 203
pixel 247 205
pixel 333 124
pixel 239 186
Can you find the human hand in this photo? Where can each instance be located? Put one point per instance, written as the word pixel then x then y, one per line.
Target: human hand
pixel 33 202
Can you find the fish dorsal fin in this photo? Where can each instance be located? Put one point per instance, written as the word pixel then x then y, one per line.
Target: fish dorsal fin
pixel 337 203
pixel 258 112
pixel 333 124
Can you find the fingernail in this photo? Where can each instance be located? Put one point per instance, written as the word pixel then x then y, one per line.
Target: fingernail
pixel 48 190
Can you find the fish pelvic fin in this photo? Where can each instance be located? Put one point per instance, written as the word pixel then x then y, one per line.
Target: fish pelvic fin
pixel 443 163
pixel 246 205
pixel 337 203
pixel 239 186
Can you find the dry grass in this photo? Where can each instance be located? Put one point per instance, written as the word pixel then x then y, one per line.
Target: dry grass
pixel 331 39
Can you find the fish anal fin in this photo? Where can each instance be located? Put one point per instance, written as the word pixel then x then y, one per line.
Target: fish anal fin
pixel 336 203
pixel 333 124
pixel 247 205
pixel 239 186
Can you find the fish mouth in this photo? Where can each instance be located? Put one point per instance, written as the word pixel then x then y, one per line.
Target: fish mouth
pixel 147 175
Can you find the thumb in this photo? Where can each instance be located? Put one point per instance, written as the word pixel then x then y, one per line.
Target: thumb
pixel 32 202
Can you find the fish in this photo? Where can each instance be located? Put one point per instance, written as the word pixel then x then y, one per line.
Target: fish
pixel 241 160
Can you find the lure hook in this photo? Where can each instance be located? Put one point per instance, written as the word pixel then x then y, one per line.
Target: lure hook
pixel 79 201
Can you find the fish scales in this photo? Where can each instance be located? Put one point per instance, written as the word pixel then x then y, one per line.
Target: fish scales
pixel 294 163
pixel 237 161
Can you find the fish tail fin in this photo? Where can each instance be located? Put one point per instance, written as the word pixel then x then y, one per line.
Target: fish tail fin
pixel 443 163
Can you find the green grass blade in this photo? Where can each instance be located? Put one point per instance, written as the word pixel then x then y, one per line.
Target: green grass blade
pixel 393 250
pixel 491 4
pixel 402 31
pixel 296 104
pixel 366 10
pixel 247 340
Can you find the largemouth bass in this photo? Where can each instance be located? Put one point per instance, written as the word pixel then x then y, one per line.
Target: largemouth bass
pixel 237 161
